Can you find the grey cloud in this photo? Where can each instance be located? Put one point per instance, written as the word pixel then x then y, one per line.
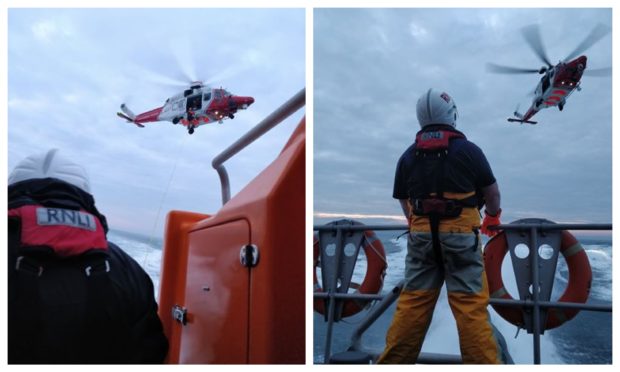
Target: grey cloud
pixel 370 66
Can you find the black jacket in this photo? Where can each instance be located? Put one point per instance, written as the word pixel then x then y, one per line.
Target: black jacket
pixel 466 169
pixel 94 307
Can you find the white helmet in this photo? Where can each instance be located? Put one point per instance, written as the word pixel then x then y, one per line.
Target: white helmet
pixel 50 165
pixel 436 107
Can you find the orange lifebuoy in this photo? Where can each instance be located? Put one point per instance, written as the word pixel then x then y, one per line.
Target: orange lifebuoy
pixel 579 279
pixel 372 283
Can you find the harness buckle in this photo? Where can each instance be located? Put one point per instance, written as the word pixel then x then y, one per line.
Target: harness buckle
pixel 88 270
pixel 436 206
pixel 25 264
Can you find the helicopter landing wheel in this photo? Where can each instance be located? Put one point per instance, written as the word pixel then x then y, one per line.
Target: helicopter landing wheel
pixel 231 116
pixel 561 106
pixel 190 130
pixel 176 120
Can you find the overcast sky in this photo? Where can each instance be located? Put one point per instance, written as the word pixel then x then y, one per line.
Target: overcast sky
pixel 371 65
pixel 69 71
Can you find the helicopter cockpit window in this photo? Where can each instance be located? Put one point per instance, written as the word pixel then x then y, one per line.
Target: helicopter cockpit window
pixel 218 94
pixel 207 96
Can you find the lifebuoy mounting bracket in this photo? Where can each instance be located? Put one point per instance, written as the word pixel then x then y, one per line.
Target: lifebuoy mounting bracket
pixel 339 247
pixel 548 244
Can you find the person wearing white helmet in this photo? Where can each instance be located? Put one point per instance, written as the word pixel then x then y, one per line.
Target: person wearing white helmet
pixel 436 107
pixel 73 296
pixel 441 182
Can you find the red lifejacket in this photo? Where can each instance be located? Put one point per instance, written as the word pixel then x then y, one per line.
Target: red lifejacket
pixel 64 232
pixel 435 140
pixel 431 151
pixel 51 238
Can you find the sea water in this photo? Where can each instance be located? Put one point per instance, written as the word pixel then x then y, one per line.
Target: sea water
pixel 146 251
pixel 586 339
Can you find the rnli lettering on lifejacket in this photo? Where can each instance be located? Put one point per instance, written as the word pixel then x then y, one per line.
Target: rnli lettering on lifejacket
pixel 426 136
pixel 435 140
pixel 66 217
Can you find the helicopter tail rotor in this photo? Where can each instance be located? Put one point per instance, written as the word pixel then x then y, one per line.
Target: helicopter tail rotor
pixel 127 113
pixel 516 113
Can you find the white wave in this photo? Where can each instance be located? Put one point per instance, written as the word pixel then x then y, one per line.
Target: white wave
pixel 601 264
pixel 145 253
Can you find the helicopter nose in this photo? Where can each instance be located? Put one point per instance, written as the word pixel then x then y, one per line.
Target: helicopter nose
pixel 247 101
pixel 244 102
pixel 581 63
pixel 582 59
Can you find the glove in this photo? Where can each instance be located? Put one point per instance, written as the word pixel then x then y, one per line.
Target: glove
pixel 490 221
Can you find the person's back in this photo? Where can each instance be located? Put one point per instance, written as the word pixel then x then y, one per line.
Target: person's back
pixel 73 297
pixel 463 169
pixel 441 182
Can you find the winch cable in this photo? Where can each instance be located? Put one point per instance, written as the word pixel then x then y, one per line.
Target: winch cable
pixel 179 153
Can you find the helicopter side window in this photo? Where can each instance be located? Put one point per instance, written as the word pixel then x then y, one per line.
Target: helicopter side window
pixel 194 103
pixel 207 96
pixel 545 83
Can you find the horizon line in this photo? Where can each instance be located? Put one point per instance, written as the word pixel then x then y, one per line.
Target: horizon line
pixel 359 215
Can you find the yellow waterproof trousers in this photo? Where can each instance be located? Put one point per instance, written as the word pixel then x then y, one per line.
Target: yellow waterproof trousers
pixel 463 271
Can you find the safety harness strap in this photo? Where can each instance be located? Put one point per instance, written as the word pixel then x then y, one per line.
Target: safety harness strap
pixel 433 146
pixel 434 222
pixel 37 259
pixel 23 289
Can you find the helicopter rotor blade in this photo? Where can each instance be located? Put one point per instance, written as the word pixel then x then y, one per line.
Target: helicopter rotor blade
pixel 183 53
pixel 499 69
pixel 184 72
pixel 223 75
pixel 165 80
pixel 597 33
pixel 531 34
pixel 245 63
pixel 598 72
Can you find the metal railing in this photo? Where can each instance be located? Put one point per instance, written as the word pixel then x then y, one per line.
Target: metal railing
pixel 534 229
pixel 287 109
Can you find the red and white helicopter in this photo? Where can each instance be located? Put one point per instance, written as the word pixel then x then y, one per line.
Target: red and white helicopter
pixel 559 81
pixel 195 106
